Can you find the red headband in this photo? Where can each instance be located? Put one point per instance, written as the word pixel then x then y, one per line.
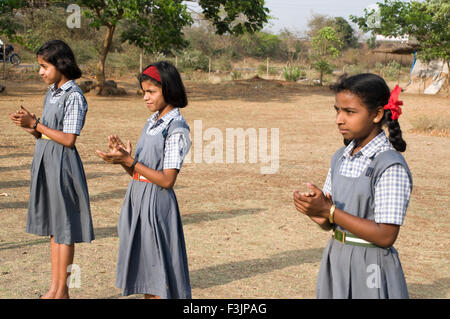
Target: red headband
pixel 152 72
pixel 394 103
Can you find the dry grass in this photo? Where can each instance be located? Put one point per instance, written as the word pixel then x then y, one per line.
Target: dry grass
pixel 436 125
pixel 244 238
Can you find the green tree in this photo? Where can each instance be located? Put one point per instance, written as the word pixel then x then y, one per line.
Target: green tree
pixel 152 25
pixel 326 46
pixel 156 25
pixel 259 44
pixel 8 24
pixel 427 22
pixel 344 30
pixel 345 33
pixel 291 46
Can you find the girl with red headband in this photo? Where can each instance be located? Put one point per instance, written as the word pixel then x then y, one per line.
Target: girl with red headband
pixel 365 196
pixel 152 254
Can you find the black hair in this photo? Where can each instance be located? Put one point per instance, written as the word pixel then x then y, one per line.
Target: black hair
pixel 59 54
pixel 374 93
pixel 171 84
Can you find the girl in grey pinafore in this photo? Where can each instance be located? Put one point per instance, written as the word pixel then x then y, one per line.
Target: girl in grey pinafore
pixel 152 254
pixel 349 271
pixel 59 200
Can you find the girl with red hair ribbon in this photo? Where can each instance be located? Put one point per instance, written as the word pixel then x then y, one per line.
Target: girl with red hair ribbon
pixel 365 196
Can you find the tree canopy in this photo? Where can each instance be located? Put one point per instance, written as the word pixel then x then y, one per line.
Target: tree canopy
pixel 157 25
pixel 427 22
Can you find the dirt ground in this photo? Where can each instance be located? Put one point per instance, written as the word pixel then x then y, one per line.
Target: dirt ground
pixel 244 237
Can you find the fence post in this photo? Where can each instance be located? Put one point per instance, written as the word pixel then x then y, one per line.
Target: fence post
pixel 4 61
pixel 209 68
pixel 267 68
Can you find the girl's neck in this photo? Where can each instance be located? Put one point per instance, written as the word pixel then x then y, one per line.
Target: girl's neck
pixel 360 143
pixel 164 111
pixel 63 80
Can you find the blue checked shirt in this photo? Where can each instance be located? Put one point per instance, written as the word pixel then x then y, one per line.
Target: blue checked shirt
pixel 393 188
pixel 176 147
pixel 74 110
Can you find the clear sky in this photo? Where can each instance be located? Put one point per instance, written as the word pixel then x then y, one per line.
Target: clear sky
pixel 294 14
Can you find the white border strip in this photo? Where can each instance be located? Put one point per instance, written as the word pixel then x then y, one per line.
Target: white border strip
pixel 357 240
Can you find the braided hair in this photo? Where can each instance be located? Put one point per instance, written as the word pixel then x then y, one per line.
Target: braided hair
pixel 373 92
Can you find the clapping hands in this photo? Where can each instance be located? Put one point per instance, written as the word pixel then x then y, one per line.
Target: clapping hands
pixel 117 153
pixel 23 118
pixel 315 204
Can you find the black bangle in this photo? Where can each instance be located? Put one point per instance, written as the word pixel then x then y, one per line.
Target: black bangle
pixel 36 123
pixel 134 164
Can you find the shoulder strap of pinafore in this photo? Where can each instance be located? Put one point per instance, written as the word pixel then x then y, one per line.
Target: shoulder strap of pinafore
pixel 382 162
pixel 178 126
pixel 73 88
pixel 336 159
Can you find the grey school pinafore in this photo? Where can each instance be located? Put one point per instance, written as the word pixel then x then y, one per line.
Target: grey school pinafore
pixel 59 199
pixel 349 271
pixel 152 253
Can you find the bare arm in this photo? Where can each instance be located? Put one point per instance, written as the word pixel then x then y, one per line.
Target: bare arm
pixel 26 120
pixel 164 179
pixel 119 155
pixel 66 139
pixel 383 235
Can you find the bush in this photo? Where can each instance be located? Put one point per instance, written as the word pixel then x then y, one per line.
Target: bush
pixel 353 69
pixel 194 60
pixel 293 73
pixel 222 63
pixel 262 70
pixel 392 69
pixel 236 75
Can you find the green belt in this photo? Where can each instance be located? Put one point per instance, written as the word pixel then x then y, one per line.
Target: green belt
pixel 350 239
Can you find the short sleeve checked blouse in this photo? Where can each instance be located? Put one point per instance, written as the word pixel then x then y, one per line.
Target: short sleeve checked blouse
pixel 393 188
pixel 176 146
pixel 75 108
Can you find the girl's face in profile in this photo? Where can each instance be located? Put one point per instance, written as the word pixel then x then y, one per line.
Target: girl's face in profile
pixel 153 97
pixel 354 120
pixel 48 72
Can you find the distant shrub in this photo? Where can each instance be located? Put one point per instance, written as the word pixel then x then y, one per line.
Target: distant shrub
pixel 353 69
pixel 392 69
pixel 194 60
pixel 222 63
pixel 293 73
pixel 236 75
pixel 262 70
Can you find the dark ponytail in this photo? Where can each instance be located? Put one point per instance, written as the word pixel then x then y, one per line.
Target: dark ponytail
pixel 395 133
pixel 373 92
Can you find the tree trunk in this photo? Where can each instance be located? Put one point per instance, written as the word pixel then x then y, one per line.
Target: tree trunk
pixel 100 70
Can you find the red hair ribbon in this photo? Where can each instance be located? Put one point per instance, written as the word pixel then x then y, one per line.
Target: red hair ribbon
pixel 152 72
pixel 394 103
